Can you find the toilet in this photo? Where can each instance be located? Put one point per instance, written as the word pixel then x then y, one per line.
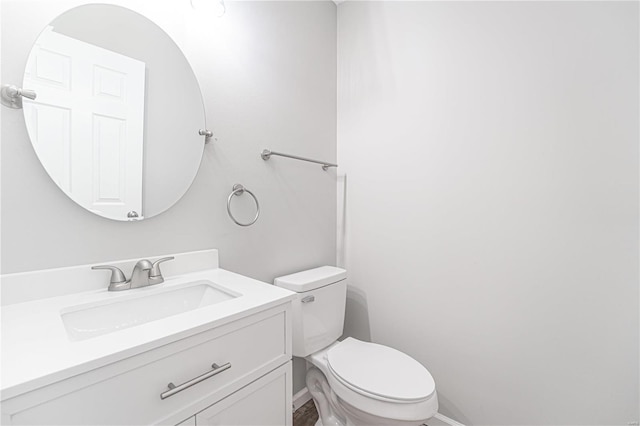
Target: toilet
pixel 352 382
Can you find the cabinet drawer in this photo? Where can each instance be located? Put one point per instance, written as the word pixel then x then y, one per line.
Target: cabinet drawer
pixel 265 402
pixel 252 346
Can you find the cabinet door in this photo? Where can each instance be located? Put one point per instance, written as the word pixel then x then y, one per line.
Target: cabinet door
pixel 265 402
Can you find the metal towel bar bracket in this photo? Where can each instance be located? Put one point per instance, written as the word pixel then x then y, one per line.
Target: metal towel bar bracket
pixel 239 190
pixel 12 95
pixel 266 154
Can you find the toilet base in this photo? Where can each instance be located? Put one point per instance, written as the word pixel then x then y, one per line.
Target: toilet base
pixel 325 400
pixel 361 418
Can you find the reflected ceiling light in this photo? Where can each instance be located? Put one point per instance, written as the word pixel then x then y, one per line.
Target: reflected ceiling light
pixel 216 7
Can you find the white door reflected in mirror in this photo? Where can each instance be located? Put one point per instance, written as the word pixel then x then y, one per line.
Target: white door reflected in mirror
pixel 104 141
pixel 109 121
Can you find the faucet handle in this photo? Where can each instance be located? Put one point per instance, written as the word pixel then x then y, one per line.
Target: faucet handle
pixel 117 276
pixel 156 273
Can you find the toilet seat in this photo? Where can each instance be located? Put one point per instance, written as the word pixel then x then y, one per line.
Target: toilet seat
pixel 379 372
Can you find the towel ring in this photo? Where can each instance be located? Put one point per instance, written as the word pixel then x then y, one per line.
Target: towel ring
pixel 239 190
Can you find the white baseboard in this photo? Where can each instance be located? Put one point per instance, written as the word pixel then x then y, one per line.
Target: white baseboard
pixel 301 398
pixel 444 419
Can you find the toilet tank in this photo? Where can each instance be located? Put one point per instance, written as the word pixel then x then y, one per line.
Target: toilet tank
pixel 318 310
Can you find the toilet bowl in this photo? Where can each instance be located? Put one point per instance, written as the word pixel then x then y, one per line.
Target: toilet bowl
pixel 373 384
pixel 352 382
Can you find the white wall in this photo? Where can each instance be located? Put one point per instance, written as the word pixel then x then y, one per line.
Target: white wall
pixel 491 154
pixel 267 72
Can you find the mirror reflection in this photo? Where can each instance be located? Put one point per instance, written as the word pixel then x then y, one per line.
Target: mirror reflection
pixel 118 109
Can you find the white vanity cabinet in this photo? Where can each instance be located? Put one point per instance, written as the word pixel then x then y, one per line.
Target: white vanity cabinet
pixel 251 384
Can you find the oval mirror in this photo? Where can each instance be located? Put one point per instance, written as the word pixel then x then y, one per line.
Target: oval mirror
pixel 118 111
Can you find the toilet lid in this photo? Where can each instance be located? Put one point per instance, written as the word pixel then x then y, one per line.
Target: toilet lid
pixel 380 370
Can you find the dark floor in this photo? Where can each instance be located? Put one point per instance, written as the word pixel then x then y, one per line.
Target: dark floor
pixel 305 415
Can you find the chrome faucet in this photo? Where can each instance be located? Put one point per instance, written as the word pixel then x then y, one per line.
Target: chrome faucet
pixel 144 274
pixel 140 274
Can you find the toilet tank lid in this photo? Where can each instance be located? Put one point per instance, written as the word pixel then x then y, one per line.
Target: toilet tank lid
pixel 311 279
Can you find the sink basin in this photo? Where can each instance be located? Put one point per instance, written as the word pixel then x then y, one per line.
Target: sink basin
pixel 142 306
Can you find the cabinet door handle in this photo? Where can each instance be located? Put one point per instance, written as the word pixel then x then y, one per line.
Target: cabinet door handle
pixel 173 389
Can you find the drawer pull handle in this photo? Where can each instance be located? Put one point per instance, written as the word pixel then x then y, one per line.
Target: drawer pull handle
pixel 173 389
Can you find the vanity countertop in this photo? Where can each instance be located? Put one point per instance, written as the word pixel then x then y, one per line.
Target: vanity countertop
pixel 37 351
